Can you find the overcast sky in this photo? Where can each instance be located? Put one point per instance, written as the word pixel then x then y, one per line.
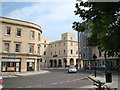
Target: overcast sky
pixel 54 17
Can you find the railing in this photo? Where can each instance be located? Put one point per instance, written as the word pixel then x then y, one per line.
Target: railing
pixel 99 85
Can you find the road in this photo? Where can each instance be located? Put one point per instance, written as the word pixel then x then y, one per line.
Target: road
pixel 57 78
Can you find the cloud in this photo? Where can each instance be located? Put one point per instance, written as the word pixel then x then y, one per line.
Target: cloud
pixel 38 0
pixel 56 17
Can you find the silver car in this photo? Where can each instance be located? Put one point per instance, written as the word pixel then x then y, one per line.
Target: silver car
pixel 72 69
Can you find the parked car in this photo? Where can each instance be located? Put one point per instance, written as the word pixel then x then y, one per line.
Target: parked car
pixel 72 69
pixel 1 82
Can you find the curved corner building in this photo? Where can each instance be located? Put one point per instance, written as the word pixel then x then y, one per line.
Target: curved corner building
pixel 19 45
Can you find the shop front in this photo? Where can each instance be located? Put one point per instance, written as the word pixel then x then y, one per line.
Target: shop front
pixel 30 65
pixel 10 65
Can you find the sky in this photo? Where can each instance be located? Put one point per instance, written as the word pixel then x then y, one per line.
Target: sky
pixel 55 18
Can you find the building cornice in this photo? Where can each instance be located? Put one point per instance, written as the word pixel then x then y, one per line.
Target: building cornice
pixel 25 23
pixel 60 41
pixel 23 54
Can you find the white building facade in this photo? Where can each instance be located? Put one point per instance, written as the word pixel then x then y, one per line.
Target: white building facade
pixel 61 53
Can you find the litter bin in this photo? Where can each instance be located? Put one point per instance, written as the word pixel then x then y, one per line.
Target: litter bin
pixel 108 77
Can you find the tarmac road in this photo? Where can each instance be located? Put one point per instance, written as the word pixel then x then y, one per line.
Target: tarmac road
pixel 57 78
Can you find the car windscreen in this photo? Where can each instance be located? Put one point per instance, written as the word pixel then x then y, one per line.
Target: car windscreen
pixel 72 67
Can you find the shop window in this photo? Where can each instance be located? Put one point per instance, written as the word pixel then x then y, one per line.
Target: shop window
pixel 4 66
pixel 6 47
pixel 18 32
pixel 8 30
pixel 30 66
pixel 17 49
pixel 10 65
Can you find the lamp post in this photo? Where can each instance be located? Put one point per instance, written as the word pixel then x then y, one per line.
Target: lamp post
pixel 94 58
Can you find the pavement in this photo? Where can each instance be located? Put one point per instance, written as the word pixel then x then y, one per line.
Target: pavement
pixel 24 74
pixel 114 84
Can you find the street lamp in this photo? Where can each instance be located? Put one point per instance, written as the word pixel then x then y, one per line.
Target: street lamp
pixel 94 58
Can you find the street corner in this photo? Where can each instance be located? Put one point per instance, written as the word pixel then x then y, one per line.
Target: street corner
pixel 9 76
pixel 32 73
pixel 43 72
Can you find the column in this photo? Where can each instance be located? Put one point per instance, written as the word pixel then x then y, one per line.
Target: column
pixel 68 61
pixel 23 65
pixel 38 65
pixel 74 61
pixel 81 64
pixel 35 65
pixel 89 65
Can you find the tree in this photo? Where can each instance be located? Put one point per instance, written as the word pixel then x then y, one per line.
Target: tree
pixel 103 18
pixel 79 28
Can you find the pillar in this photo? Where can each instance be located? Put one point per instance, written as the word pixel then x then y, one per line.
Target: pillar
pixel 38 65
pixel 35 65
pixel 81 64
pixel 23 65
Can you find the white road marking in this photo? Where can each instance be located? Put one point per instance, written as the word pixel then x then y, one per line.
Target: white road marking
pixel 29 86
pixel 77 79
pixel 67 81
pixel 26 87
pixel 39 85
pixel 20 87
pixel 43 85
pixel 74 80
pixel 54 83
pixel 62 82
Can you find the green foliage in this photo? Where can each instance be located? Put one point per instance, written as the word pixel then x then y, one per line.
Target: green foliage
pixel 103 18
pixel 78 27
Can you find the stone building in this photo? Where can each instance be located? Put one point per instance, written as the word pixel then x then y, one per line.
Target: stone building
pixel 23 49
pixel 19 46
pixel 88 51
pixel 62 52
